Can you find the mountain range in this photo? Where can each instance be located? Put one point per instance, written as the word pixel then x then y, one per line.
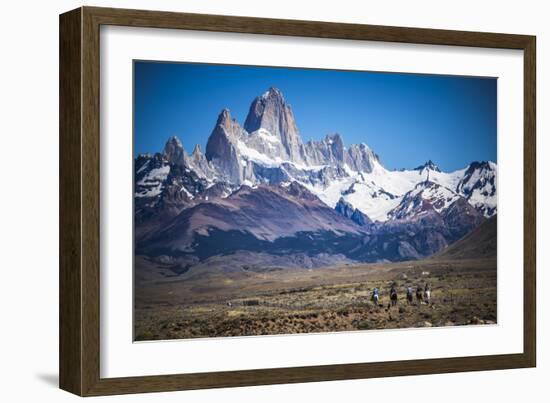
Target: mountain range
pixel 259 188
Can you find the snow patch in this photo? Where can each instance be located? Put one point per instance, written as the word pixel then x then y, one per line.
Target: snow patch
pixel 145 165
pixel 266 135
pixel 250 154
pixel 153 182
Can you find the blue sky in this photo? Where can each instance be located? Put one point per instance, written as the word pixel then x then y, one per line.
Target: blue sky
pixel 406 118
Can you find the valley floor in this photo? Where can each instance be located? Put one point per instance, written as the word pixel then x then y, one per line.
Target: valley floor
pixel 286 301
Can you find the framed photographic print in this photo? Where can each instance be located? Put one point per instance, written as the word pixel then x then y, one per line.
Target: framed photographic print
pixel 250 201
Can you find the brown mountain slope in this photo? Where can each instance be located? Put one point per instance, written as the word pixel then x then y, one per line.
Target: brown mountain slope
pixel 265 213
pixel 480 243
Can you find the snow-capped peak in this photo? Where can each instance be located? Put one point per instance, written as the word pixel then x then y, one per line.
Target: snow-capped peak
pixel 173 150
pixel 268 149
pixel 273 92
pixel 478 185
pixel 428 165
pixel 425 196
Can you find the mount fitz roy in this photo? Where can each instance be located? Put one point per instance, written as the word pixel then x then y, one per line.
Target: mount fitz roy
pixel 259 195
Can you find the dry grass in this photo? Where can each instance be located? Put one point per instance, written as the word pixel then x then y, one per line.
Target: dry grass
pixel 320 300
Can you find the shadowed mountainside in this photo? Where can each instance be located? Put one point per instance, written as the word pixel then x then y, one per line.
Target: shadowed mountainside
pixel 480 243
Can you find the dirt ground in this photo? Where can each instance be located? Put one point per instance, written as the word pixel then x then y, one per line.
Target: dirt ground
pixel 287 301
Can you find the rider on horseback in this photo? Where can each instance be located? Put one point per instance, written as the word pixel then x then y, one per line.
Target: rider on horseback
pixel 409 295
pixel 393 295
pixel 419 294
pixel 375 297
pixel 427 293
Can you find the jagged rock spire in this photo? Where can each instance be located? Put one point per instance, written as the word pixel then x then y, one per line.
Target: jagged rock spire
pixel 270 111
pixel 197 150
pixel 221 148
pixel 430 165
pixel 173 150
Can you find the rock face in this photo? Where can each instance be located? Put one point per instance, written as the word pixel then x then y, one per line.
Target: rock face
pixel 361 158
pixel 346 209
pixel 259 189
pixel 478 186
pixel 197 162
pixel 428 165
pixel 222 147
pixel 271 113
pixel 461 218
pixel 446 213
pixel 330 150
pixel 425 196
pixel 360 218
pixel 173 151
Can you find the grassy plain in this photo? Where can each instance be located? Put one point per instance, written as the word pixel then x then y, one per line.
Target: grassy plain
pixel 287 301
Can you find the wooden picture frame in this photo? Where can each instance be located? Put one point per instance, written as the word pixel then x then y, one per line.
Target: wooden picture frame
pixel 80 199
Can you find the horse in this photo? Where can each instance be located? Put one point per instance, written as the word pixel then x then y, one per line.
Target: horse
pixel 375 296
pixel 419 295
pixel 409 295
pixel 427 293
pixel 393 296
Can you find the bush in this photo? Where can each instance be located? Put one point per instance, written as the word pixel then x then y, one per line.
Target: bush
pixel 146 335
pixel 365 325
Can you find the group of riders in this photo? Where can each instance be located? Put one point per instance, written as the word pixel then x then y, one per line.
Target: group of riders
pixel 423 294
